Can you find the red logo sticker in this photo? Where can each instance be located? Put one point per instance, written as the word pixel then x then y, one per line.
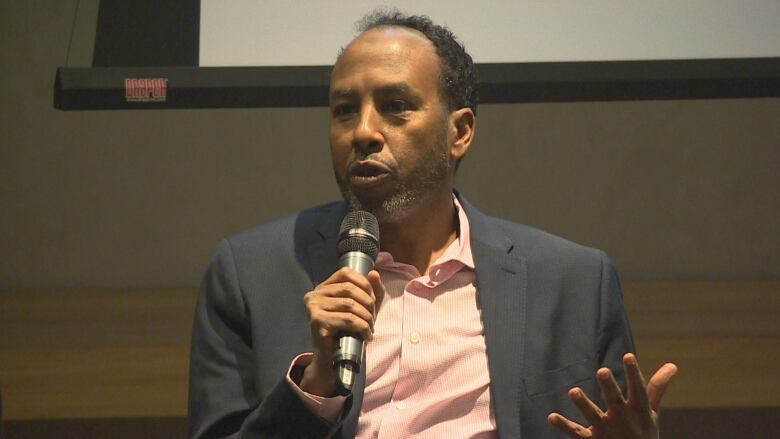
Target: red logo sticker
pixel 146 89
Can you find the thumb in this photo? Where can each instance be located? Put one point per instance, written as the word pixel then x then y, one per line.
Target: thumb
pixel 658 384
pixel 379 288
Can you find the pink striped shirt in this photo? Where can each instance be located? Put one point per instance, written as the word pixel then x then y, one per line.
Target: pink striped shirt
pixel 426 369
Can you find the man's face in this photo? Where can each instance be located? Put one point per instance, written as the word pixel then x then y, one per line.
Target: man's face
pixel 388 125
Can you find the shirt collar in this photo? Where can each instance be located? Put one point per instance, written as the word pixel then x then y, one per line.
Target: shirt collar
pixel 459 250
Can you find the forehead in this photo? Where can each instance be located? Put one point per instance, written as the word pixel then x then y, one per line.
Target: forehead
pixel 388 51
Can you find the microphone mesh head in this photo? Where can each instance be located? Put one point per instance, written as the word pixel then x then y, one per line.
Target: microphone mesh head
pixel 360 219
pixel 359 232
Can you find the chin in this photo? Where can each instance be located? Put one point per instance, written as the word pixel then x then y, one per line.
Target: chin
pixel 391 209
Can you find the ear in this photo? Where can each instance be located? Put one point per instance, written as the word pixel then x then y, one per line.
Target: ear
pixel 462 124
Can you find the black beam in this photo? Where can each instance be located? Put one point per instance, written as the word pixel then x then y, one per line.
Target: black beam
pixel 306 86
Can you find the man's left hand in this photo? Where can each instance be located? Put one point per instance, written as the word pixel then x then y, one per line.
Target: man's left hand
pixel 632 418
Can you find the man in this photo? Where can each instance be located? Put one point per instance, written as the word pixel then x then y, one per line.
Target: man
pixel 475 327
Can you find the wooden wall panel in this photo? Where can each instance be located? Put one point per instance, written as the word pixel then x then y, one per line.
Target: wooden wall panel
pixel 119 354
pixel 724 336
pixel 95 354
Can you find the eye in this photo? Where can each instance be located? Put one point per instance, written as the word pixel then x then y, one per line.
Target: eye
pixel 397 106
pixel 343 110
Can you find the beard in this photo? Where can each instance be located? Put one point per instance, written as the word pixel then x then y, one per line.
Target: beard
pixel 406 193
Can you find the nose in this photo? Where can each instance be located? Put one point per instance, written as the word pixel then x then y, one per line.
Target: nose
pixel 367 135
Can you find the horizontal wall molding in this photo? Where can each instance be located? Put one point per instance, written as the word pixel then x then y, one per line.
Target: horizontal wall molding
pixel 104 88
pixel 710 423
pixel 118 354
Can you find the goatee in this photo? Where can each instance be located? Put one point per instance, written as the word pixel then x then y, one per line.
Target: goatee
pixel 424 180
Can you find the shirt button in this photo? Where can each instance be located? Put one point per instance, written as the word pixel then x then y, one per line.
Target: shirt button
pixel 414 337
pixel 400 405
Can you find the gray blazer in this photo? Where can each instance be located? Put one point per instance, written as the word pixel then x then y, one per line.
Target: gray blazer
pixel 552 313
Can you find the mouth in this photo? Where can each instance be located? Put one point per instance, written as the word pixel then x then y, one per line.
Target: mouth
pixel 368 172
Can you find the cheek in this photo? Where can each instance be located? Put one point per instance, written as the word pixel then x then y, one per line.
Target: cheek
pixel 339 154
pixel 425 142
pixel 338 142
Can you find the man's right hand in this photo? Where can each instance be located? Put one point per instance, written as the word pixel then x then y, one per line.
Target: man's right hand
pixel 346 301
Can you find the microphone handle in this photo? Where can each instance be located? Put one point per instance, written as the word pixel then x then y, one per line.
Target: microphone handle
pixel 348 356
pixel 358 261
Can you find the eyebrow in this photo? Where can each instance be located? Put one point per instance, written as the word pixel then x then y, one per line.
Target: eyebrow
pixel 342 93
pixel 394 88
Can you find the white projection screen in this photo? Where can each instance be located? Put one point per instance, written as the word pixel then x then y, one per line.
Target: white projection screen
pixel 310 32
pixel 274 53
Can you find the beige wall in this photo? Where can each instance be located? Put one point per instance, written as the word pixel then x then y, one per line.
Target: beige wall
pixel 680 190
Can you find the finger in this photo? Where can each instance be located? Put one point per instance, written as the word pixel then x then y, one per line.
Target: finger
pixel 610 390
pixel 347 275
pixel 588 408
pixel 344 290
pixel 327 310
pixel 361 302
pixel 329 324
pixel 658 383
pixel 346 305
pixel 637 390
pixel 567 427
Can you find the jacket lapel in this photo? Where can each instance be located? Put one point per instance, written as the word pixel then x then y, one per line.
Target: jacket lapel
pixel 501 291
pixel 320 243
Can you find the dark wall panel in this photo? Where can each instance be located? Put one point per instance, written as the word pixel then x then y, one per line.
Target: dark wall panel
pixel 147 33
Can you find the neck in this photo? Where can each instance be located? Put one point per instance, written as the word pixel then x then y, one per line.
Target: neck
pixel 421 236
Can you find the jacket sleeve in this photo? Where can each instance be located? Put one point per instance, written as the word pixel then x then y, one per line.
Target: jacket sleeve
pixel 614 333
pixel 224 400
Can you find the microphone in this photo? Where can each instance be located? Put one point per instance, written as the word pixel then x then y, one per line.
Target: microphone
pixel 358 247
